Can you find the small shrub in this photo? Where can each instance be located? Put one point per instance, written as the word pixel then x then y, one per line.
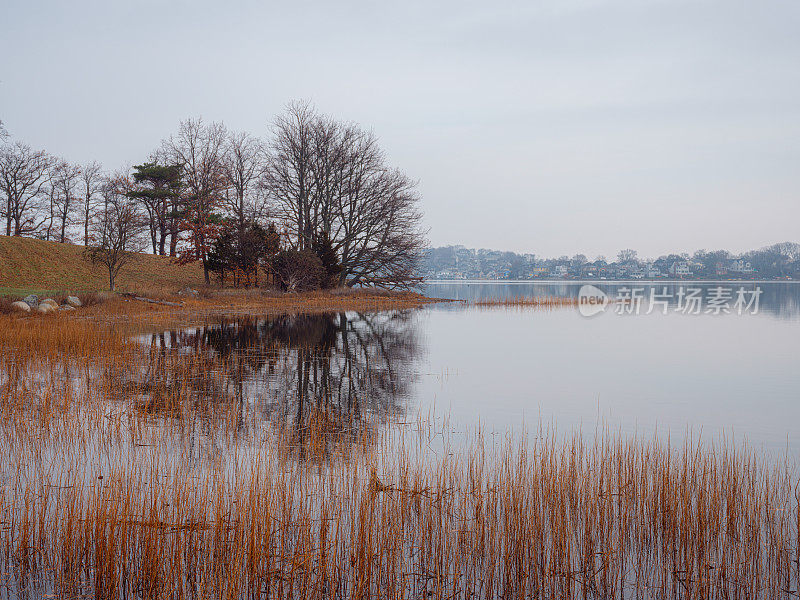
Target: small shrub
pixel 298 270
pixel 93 298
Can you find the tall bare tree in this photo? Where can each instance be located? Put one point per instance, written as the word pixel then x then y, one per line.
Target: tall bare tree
pixel 378 223
pixel 23 180
pixel 199 149
pixel 289 177
pixel 244 164
pixel 50 203
pixel 65 181
pixel 91 177
pixel 330 182
pixel 331 149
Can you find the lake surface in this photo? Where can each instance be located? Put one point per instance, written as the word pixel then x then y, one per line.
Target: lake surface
pixel 630 369
pixel 709 374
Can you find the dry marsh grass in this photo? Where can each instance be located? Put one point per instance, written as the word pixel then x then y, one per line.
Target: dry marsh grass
pixel 527 302
pixel 178 487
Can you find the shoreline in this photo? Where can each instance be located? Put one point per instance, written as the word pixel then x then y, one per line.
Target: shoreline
pixel 602 281
pixel 147 309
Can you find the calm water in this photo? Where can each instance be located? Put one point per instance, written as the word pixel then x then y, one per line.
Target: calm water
pixel 726 374
pixel 507 369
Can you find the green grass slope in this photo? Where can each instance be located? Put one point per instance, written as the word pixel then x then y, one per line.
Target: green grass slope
pixel 35 266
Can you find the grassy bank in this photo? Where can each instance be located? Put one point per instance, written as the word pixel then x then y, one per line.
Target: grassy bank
pixel 36 266
pixel 131 313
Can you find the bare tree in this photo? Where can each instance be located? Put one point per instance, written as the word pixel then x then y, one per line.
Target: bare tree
pixel 289 177
pixel 91 180
pixel 379 239
pixel 123 225
pixel 331 148
pixel 51 204
pixel 627 256
pixel 3 132
pixel 23 179
pixel 65 180
pixel 330 181
pixel 244 164
pixel 199 149
pixel 108 189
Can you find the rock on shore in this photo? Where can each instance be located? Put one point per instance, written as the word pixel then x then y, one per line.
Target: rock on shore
pixel 31 303
pixel 21 306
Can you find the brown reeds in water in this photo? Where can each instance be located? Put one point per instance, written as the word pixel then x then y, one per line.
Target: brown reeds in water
pixel 528 301
pixel 194 495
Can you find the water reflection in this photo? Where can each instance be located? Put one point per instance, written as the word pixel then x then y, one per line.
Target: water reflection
pixel 341 372
pixel 496 369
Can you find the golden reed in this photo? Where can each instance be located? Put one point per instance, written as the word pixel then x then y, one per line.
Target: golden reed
pixel 125 480
pixel 528 301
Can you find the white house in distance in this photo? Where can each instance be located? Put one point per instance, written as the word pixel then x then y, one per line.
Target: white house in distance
pixel 680 269
pixel 741 266
pixel 651 271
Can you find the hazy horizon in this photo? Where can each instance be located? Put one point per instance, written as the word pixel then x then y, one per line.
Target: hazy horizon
pixel 551 128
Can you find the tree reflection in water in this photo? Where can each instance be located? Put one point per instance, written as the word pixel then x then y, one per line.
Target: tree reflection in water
pixel 337 373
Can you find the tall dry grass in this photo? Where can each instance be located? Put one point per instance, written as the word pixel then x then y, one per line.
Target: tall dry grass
pixel 527 301
pixel 122 480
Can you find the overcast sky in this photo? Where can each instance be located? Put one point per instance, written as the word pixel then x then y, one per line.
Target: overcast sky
pixel 552 127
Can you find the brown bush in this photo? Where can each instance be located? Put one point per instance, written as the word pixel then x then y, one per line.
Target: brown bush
pixel 299 271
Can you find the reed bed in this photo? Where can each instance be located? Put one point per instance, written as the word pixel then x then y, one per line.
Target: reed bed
pixel 121 479
pixel 527 301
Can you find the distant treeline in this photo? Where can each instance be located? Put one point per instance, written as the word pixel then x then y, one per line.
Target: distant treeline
pixel 314 202
pixel 778 261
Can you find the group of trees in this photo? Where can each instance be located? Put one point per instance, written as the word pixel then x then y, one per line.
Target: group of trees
pixel 314 204
pixel 775 261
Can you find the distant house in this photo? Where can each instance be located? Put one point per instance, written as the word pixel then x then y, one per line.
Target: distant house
pixel 560 271
pixel 680 269
pixel 741 266
pixel 652 271
pixel 539 271
pixel 720 269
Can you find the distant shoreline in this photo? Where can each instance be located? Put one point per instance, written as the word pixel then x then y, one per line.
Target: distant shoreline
pixel 607 281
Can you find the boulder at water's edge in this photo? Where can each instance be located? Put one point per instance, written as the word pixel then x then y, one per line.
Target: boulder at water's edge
pixel 21 307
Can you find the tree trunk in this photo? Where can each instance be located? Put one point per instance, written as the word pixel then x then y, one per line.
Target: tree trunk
pixel 173 240
pixel 86 224
pixel 105 220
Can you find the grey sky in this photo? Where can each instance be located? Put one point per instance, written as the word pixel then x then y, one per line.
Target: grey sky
pixel 550 127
